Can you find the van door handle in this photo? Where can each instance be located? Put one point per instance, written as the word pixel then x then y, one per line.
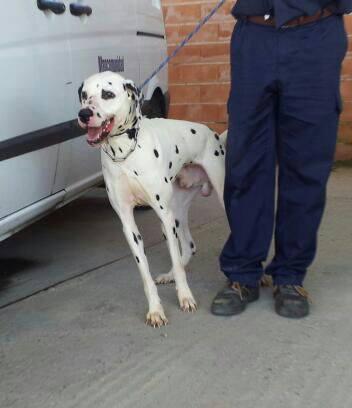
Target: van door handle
pixel 79 10
pixel 55 7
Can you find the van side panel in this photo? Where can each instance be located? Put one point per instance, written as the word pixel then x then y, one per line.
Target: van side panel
pixel 34 62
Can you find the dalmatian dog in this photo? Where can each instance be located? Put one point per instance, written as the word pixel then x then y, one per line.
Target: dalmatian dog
pixel 161 163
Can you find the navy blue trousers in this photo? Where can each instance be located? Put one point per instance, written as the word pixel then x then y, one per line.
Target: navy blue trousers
pixel 284 108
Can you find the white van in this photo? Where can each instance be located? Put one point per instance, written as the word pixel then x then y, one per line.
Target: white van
pixel 47 48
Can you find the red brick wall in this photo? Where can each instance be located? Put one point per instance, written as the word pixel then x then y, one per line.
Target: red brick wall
pixel 203 66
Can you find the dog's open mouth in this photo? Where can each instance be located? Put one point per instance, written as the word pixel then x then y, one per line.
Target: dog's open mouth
pixel 97 134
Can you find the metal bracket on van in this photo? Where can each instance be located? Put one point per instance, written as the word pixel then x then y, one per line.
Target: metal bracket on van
pixel 55 7
pixel 80 10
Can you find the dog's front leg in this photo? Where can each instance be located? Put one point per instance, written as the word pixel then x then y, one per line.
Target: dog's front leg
pixel 155 316
pixel 185 297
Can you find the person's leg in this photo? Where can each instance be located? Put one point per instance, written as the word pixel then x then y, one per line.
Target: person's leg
pixel 310 62
pixel 250 153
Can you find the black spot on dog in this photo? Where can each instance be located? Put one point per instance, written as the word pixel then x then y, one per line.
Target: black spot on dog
pixel 170 165
pixel 176 235
pixel 166 180
pixel 216 153
pixel 113 151
pixel 177 151
pixel 216 136
pixel 193 131
pixel 156 153
pixel 157 197
pixel 110 83
pixel 161 207
pixel 139 237
pixel 171 178
pixel 174 230
pixel 121 151
pixel 139 146
pixel 131 133
pixel 135 238
pixel 99 115
pixel 135 172
pixel 177 222
pixel 137 259
pixel 107 94
pixel 222 152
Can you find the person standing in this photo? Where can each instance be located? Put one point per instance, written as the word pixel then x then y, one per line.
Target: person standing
pixel 284 108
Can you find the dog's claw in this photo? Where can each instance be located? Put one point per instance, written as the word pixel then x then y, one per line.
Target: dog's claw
pixel 188 305
pixel 156 319
pixel 164 279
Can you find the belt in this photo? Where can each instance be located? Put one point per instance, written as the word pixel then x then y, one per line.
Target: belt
pixel 292 23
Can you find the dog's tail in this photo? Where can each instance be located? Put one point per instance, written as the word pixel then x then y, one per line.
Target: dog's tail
pixel 223 137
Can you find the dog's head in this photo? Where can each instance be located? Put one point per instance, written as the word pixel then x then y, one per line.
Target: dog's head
pixel 110 106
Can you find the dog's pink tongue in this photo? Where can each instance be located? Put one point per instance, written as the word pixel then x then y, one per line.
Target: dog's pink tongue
pixel 93 133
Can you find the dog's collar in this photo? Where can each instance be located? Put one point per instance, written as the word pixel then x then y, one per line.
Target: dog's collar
pixel 109 151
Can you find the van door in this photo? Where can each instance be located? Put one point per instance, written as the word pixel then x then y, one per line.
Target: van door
pixel 151 43
pixel 34 83
pixel 102 37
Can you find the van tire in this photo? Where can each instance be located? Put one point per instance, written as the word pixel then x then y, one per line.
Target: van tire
pixel 155 107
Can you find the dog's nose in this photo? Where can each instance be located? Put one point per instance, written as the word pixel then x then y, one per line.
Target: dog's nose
pixel 85 115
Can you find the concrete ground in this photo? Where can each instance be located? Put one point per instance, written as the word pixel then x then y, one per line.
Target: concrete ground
pixel 72 330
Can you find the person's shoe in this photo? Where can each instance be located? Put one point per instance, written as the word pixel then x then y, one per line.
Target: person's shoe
pixel 291 301
pixel 233 299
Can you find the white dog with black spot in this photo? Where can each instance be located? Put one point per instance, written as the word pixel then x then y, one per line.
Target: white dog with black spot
pixel 162 163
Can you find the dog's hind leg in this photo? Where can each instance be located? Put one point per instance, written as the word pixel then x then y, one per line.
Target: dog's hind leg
pixel 185 297
pixel 213 162
pixel 182 199
pixel 155 316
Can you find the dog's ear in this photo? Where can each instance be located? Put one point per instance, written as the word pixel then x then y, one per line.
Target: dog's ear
pixel 131 89
pixel 80 92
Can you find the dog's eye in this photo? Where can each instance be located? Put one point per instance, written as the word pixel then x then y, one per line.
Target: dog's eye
pixel 107 94
pixel 84 95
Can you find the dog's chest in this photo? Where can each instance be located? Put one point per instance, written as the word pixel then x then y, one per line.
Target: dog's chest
pixel 123 185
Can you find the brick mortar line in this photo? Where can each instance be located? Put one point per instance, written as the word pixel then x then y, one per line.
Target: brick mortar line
pixel 201 83
pixel 192 24
pixel 220 104
pixel 200 43
pixel 185 64
pixel 188 3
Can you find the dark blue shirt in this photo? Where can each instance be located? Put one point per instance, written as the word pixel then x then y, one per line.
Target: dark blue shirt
pixel 286 10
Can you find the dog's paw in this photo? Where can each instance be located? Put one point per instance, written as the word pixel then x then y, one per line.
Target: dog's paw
pixel 165 278
pixel 156 319
pixel 188 304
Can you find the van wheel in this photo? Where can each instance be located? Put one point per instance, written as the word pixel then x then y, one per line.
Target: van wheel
pixel 156 106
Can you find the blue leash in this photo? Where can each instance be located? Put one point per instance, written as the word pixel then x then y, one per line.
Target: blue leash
pixel 183 43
